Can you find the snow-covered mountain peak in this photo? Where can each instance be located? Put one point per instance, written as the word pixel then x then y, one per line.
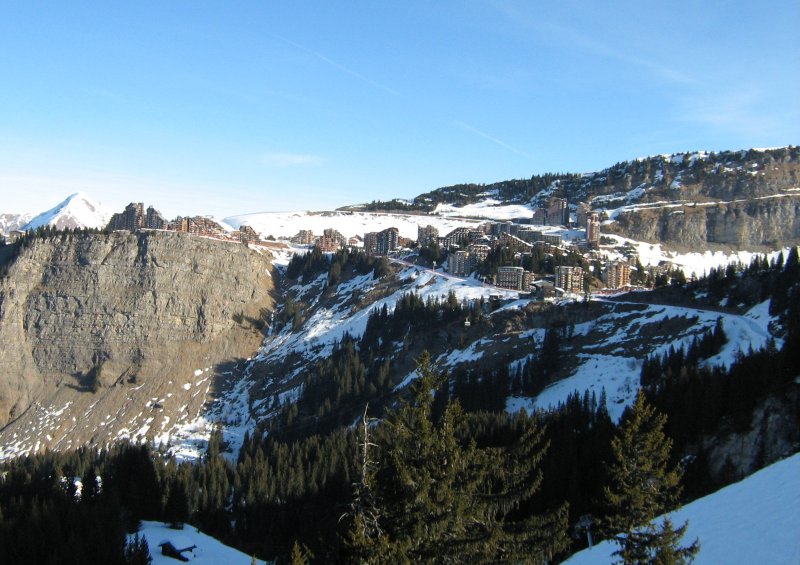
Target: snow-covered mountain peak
pixel 77 211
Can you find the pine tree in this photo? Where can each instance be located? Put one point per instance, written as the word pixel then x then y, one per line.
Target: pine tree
pixel 443 499
pixel 176 510
pixel 642 487
pixel 137 552
pixel 300 554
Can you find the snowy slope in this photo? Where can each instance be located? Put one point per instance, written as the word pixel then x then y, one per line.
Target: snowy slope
pixel 77 211
pixel 315 340
pixel 607 355
pixel 489 208
pixel 328 325
pixel 287 224
pixel 696 263
pixel 753 521
pixel 610 366
pixel 209 551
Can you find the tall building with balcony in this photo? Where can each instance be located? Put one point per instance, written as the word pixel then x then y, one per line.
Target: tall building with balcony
pixel 455 238
pixel 335 235
pixel 386 240
pixel 458 263
pixel 247 234
pixel 304 237
pixel 617 274
pixel 569 279
pixel 558 212
pixel 477 255
pixel 539 217
pixel 132 218
pixel 582 214
pixel 510 277
pixel 154 220
pixel 593 230
pixel 427 235
pixel 371 242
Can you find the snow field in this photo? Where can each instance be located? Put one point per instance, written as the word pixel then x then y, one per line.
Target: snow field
pixel 288 224
pixel 753 521
pixel 209 551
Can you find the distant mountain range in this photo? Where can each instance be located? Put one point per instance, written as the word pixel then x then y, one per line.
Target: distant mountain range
pixel 740 200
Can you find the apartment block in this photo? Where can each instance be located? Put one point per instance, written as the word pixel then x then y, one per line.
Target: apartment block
pixel 371 242
pixel 456 238
pixel 593 230
pixel 427 235
pixel 582 214
pixel 558 212
pixel 510 277
pixel 304 237
pixel 335 236
pixel 569 279
pixel 387 240
pixel 458 263
pixel 154 220
pixel 247 234
pixel 132 218
pixel 617 274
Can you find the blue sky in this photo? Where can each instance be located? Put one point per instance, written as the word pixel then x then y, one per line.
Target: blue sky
pixel 225 108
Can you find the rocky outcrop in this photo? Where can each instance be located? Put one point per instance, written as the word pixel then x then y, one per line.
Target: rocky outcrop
pixel 774 433
pixel 136 328
pixel 764 223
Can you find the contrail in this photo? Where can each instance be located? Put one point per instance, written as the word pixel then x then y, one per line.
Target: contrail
pixel 336 65
pixel 499 142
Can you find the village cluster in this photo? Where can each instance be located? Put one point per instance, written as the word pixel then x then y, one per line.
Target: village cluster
pixel 466 247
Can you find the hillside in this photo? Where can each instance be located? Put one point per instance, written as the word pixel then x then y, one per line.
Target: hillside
pixel 740 200
pixel 602 347
pixel 168 316
pixel 224 382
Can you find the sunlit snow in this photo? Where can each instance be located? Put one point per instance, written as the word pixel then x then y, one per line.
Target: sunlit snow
pixel 753 521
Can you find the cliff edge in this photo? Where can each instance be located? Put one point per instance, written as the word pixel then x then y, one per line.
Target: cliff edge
pixel 108 336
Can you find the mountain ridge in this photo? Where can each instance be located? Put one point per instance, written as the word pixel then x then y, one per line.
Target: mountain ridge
pixel 641 198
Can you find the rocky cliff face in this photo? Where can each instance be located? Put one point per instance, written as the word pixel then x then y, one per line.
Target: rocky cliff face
pixel 740 200
pixel 122 335
pixel 773 435
pixel 764 223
